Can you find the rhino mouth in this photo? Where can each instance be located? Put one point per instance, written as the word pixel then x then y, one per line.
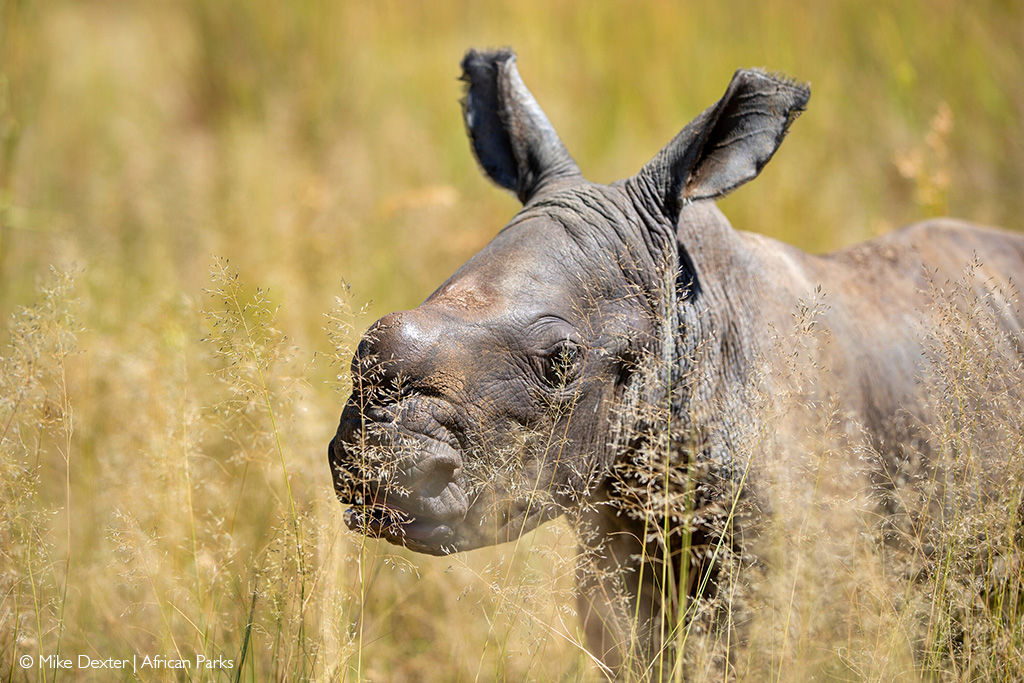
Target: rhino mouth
pixel 392 523
pixel 408 494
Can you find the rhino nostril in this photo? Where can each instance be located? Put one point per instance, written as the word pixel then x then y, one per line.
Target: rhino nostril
pixel 446 469
pixel 439 467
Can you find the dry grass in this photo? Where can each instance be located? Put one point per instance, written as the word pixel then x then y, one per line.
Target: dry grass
pixel 163 479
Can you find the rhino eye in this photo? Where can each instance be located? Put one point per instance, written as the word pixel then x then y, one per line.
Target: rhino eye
pixel 561 365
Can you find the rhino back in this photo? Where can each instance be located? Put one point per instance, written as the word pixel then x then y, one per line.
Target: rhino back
pixel 883 302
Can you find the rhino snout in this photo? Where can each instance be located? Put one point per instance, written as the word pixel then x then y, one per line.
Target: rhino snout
pixel 405 487
pixel 397 349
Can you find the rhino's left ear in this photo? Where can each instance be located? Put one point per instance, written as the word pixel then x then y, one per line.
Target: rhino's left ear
pixel 729 143
pixel 512 138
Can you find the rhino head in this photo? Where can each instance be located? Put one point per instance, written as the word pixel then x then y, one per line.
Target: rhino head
pixel 496 403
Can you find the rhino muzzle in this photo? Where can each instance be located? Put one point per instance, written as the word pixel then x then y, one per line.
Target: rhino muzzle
pixel 400 485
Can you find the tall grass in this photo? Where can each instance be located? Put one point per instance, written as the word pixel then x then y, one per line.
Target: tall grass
pixel 163 485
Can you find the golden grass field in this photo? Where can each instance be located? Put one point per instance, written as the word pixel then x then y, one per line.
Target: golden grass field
pixel 187 187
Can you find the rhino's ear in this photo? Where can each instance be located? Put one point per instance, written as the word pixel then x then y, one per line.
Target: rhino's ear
pixel 512 138
pixel 729 143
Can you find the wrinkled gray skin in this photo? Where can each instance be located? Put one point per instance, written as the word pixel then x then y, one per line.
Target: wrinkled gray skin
pixel 539 334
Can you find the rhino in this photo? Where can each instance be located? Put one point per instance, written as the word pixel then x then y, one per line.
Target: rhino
pixel 514 393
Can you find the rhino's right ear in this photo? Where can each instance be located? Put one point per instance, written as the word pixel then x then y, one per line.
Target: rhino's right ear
pixel 729 143
pixel 512 138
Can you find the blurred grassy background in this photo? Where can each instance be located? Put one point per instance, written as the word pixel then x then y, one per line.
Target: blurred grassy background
pixel 315 142
pixel 311 141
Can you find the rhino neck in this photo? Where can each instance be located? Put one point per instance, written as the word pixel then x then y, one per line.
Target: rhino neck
pixel 713 338
pixel 681 409
pixel 686 412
